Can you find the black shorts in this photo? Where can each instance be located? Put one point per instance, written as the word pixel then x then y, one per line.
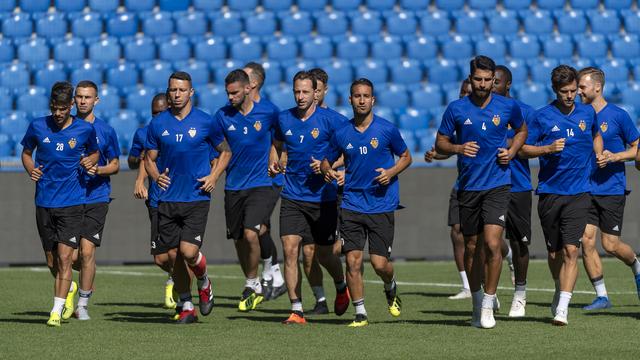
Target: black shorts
pixel 454 209
pixel 156 246
pixel 519 217
pixel 247 209
pixel 95 216
pixel 563 219
pixel 315 221
pixel 59 225
pixel 606 212
pixel 182 221
pixel 356 228
pixel 479 208
pixel 272 201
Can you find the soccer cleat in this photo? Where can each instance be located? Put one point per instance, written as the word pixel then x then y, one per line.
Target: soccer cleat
pixel 82 313
pixel 67 311
pixel 637 278
pixel 278 291
pixel 360 321
pixel 321 308
pixel 463 294
pixel 169 302
pixel 341 304
pixel 296 317
pixel 54 319
pixel 187 317
pixel 206 300
pixel 475 318
pixel 176 315
pixel 599 303
pixel 395 304
pixel 487 321
pixel 517 307
pixel 249 300
pixel 561 318
pixel 267 288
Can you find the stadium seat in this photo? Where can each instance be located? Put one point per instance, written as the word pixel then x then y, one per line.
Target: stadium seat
pixel 538 22
pixel 246 49
pixel 405 72
pixel 592 46
pixel 524 47
pixel 352 48
pixel 122 25
pixel 584 4
pixel 492 46
pixel 519 70
pixel 7 6
pixel 571 22
pixel 345 5
pixel 604 22
pixel 503 22
pixel 139 99
pixel 86 70
pixel 260 24
pixel 281 96
pixel 6 101
pixel 616 70
pixel 159 24
pixel 414 5
pixel 435 23
pixel 294 24
pixel 293 68
pixel 7 51
pixel 34 6
pixel 16 122
pixel 393 96
pixel 631 20
pixel 414 119
pixel 155 74
pixel 449 5
pixel 35 51
pixel 68 51
pixel 221 69
pixel 104 6
pixel 422 48
pixel 617 4
pixel 626 47
pixel 139 5
pixel 109 100
pixel 242 5
pixel 106 51
pixel 426 97
pixel 442 72
pixel 17 26
pixel 139 49
pixel 311 5
pixel 372 69
pixel 409 138
pixel 631 95
pixel 541 70
pixel 125 122
pixel 226 24
pixel 317 47
pixel 482 4
pixel 176 49
pixel 331 23
pixel 469 23
pixel 550 4
pixel 211 98
pixel 387 48
pixel 380 5
pixel 516 4
pixel 273 73
pixel 366 23
pixel 190 23
pixel 339 70
pixel 49 74
pixel 86 25
pixel 558 47
pixel 457 47
pixel 125 75
pixel 199 71
pixel 277 5
pixel 210 49
pixel 401 23
pixel 207 5
pixel 382 111
pixel 34 99
pixel 51 26
pixel 6 145
pixel 534 95
pixel 67 6
pixel 282 48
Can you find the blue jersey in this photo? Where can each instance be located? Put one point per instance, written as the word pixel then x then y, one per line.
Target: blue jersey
pixel 566 172
pixel 137 147
pixel 59 152
pixel 617 130
pixel 488 127
pixel 364 152
pixel 249 137
pixel 520 172
pixel 305 140
pixel 277 180
pixel 99 187
pixel 184 148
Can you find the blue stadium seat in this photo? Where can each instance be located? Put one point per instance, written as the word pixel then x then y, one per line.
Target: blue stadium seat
pixel 442 72
pixel 246 49
pixel 393 96
pixel 503 22
pixel 139 5
pixel 106 51
pixel 207 5
pixel 617 4
pixel 534 95
pixel 435 23
pixel 387 48
pixel 592 46
pixel 7 51
pixel 331 23
pixel 339 70
pixel 155 74
pixel 372 69
pixel 538 22
pixel 581 63
pixel 626 47
pixel 6 145
pixel 17 26
pixel 366 23
pixel 49 74
pixel 281 96
pixel 426 97
pixel 211 98
pixel 260 24
pixel 401 23
pixel 16 122
pixel 86 25
pixel 584 4
pixel 277 5
pixel 125 122
pixel 297 23
pixel 104 6
pixel 226 24
pixel 414 119
pixel 176 49
pixel 631 95
pixel 109 100
pixel 183 5
pixel 139 49
pixel 86 71
pixel 292 68
pixel 519 70
pixel 550 4
pixel 282 48
pixel 414 5
pixel 273 73
pixel 380 5
pixel 516 4
pixel 457 47
pixel 311 5
pixel 221 69
pixel 558 47
pixel 492 46
pixel 35 51
pixel 67 6
pixel 524 47
pixel 616 70
pixel 199 71
pixel 331 98
pixel 422 48
pixel 406 72
pixel 452 93
pixel 631 20
pixel 190 23
pixel 34 99
pixel 409 138
pixel 157 24
pixel 382 111
pixel 34 6
pixel 449 5
pixel 125 75
pixel 352 47
pixel 541 70
pixel 604 22
pixel 571 22
pixel 482 4
pixel 210 49
pixel 122 24
pixel 139 99
pixel 242 5
pixel 345 5
pixel 317 47
pixel 6 101
pixel 68 51
pixel 469 22
pixel 51 26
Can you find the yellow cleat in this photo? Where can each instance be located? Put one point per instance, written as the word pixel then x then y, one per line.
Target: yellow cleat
pixel 67 312
pixel 249 300
pixel 54 319
pixel 360 321
pixel 169 302
pixel 395 304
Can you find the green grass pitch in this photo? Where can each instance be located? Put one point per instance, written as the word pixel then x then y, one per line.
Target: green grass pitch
pixel 128 321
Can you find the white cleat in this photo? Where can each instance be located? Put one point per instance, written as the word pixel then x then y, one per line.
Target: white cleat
pixel 517 308
pixel 82 313
pixel 463 294
pixel 475 318
pixel 487 321
pixel 561 318
pixel 496 304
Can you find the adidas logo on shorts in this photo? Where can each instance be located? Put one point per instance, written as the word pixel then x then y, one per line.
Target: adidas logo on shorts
pixel 501 218
pixel 616 228
pixel 198 238
pixel 468 122
pixel 73 240
pixel 96 236
pixel 555 128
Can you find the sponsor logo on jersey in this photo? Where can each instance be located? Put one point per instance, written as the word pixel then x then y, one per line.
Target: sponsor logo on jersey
pixel 257 125
pixel 468 122
pixel 374 142
pixel 349 146
pixel 72 143
pixel 165 133
pixel 192 132
pixel 582 125
pixel 555 128
pixel 496 120
pixel 231 128
pixel 604 126
pixel 288 133
pixel 46 140
pixel 315 132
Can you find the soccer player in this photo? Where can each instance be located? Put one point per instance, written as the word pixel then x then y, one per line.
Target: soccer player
pixel 308 207
pixel 178 141
pixel 273 285
pixel 564 135
pixel 479 122
pixel 368 144
pixel 608 186
pixel 518 230
pixel 98 186
pixel 64 145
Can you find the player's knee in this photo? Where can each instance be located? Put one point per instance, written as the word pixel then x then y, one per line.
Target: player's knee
pixel 571 253
pixel 250 236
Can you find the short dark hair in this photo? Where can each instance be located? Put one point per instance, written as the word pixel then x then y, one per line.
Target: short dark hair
pixel 61 93
pixel 159 97
pixel 506 71
pixel 321 75
pixel 361 81
pixel 181 75
pixel 483 63
pixel 563 75
pixel 237 75
pixel 596 74
pixel 87 84
pixel 257 70
pixel 306 75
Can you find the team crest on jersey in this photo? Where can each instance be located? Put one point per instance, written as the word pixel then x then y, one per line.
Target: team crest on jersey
pixel 257 125
pixel 604 126
pixel 496 120
pixel 374 142
pixel 582 125
pixel 192 132
pixel 72 143
pixel 315 132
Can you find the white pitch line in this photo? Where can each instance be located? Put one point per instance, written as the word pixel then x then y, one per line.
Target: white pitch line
pixel 403 283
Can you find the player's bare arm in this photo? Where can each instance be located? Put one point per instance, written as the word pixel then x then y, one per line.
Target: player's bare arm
pixel 209 181
pixel 622 156
pixel 432 154
pixel 27 161
pixel 506 155
pixel 386 175
pixel 598 148
pixel 139 189
pixel 445 146
pixel 90 161
pixel 163 180
pixel 111 168
pixel 277 159
pixel 532 151
pixel 134 162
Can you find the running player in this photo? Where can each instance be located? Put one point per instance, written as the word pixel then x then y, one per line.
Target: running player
pixel 98 187
pixel 479 122
pixel 564 134
pixel 178 141
pixel 608 192
pixel 368 144
pixel 308 208
pixel 61 142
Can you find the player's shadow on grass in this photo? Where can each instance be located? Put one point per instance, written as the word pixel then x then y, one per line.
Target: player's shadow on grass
pixel 43 315
pixel 131 304
pixel 139 317
pixel 279 319
pixel 451 322
pixel 275 311
pixel 447 312
pixel 633 315
pixel 427 294
pixel 548 305
pixel 505 317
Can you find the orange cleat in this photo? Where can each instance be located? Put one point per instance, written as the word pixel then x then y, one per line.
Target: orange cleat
pixel 295 318
pixel 341 304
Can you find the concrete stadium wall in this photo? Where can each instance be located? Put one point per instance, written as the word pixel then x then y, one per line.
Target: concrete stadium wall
pixel 421 231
